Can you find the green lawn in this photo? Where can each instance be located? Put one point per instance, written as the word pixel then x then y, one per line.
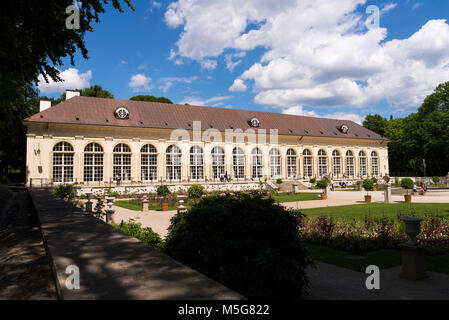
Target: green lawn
pixel 292 197
pixel 358 211
pixel 381 258
pixel 132 205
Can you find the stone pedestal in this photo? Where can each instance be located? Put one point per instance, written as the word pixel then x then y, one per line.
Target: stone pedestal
pixel 387 194
pixel 145 205
pixel 295 188
pixel 412 262
pixel 181 208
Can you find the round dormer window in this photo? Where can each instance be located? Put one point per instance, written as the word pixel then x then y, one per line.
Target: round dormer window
pixel 344 128
pixel 122 113
pixel 254 122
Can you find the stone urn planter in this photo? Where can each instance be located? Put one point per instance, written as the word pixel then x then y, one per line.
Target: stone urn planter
pixel 412 229
pixel 367 198
pixel 407 197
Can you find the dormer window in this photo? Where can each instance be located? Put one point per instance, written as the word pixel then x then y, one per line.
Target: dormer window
pixel 254 122
pixel 121 113
pixel 344 129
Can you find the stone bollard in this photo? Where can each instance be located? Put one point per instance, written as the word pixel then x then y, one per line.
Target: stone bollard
pixel 145 204
pixel 387 193
pixel 412 252
pixel 89 202
pixel 181 208
pixel 110 211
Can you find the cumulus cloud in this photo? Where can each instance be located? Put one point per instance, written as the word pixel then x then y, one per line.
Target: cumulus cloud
pixel 318 52
pixel 140 82
pixel 208 64
pixel 238 86
pixel 73 79
pixel 300 111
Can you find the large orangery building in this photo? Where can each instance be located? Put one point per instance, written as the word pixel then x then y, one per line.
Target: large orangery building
pixel 95 141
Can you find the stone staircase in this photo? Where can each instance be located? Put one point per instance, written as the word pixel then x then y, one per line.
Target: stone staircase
pixel 286 186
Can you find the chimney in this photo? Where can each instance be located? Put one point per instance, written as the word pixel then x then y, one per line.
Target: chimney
pixel 71 93
pixel 44 104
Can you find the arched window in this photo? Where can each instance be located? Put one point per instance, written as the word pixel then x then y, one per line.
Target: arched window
pixel 196 163
pixel 63 162
pixel 218 162
pixel 257 163
pixel 336 163
pixel 122 162
pixel 291 163
pixel 148 162
pixel 374 164
pixel 238 163
pixel 322 163
pixel 349 163
pixel 93 162
pixel 275 163
pixel 308 163
pixel 173 163
pixel 362 164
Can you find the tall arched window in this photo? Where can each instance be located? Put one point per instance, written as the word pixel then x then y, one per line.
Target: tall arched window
pixel 362 164
pixel 148 162
pixel 275 163
pixel 196 163
pixel 336 163
pixel 322 163
pixel 238 163
pixel 349 163
pixel 122 162
pixel 218 162
pixel 173 163
pixel 63 162
pixel 308 163
pixel 374 164
pixel 257 163
pixel 291 163
pixel 93 162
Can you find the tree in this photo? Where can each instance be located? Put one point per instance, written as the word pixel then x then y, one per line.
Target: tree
pixel 150 98
pixel 376 123
pixel 35 37
pixel 93 91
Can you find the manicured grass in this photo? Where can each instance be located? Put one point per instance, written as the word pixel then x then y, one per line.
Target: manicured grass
pixel 291 197
pixel 381 258
pixel 391 210
pixel 132 205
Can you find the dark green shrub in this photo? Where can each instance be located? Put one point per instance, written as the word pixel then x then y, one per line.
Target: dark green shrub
pixel 99 207
pixel 146 235
pixel 65 191
pixel 322 184
pixel 163 191
pixel 279 181
pixel 436 180
pixel 407 184
pixel 243 241
pixel 312 180
pixel 368 185
pixel 374 179
pixel 195 191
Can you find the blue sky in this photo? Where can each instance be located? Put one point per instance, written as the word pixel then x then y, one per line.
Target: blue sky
pixel 306 57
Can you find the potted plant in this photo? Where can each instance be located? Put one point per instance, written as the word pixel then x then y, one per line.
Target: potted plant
pixel 279 182
pixel 163 191
pixel 312 181
pixel 407 184
pixel 322 184
pixel 368 185
pixel 195 192
pixel 374 180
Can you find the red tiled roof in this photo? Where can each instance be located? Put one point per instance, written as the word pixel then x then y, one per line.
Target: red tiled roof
pixel 99 111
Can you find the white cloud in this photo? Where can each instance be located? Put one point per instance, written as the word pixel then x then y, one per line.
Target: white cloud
pixel 238 86
pixel 300 111
pixel 168 81
pixel 416 5
pixel 388 7
pixel 195 101
pixel 140 82
pixel 318 52
pixel 73 79
pixel 141 67
pixel 208 64
pixel 230 64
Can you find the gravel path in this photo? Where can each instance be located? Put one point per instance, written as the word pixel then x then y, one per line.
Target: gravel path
pixel 24 267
